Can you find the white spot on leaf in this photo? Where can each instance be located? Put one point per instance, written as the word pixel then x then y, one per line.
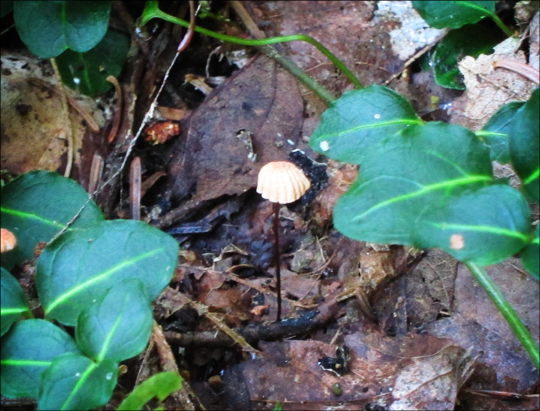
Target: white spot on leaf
pixel 377 116
pixel 324 146
pixel 457 242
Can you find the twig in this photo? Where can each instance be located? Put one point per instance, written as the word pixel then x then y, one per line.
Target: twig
pixel 260 332
pixel 521 68
pixel 67 121
pixel 95 173
pixel 135 188
pixel 203 310
pixel 185 394
pixel 118 111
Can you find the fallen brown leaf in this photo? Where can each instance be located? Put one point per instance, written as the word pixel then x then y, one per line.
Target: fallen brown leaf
pixel 261 99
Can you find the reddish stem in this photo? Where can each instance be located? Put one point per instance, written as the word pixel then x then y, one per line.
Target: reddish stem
pixel 277 261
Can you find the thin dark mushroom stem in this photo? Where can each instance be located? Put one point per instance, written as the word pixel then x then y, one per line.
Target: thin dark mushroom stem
pixel 277 261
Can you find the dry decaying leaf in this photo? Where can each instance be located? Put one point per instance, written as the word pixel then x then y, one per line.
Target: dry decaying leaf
pixel 489 89
pixel 261 99
pixel 418 373
pixel 32 117
pixel 477 324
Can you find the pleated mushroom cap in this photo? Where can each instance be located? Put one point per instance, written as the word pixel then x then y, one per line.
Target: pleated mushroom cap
pixel 282 182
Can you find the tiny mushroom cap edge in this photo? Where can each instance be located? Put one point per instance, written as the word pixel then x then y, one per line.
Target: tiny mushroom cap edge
pixel 8 240
pixel 282 182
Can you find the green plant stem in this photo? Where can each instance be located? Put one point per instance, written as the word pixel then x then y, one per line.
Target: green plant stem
pixel 152 11
pixel 323 93
pixel 501 25
pixel 507 312
pixel 493 16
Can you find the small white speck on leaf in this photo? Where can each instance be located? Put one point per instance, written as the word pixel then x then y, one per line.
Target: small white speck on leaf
pixel 324 146
pixel 377 116
pixel 108 375
pixel 457 242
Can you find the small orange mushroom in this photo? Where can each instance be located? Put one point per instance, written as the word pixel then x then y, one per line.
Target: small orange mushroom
pixel 8 239
pixel 281 182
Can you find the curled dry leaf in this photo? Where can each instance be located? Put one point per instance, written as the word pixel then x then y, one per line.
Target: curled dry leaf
pixel 161 132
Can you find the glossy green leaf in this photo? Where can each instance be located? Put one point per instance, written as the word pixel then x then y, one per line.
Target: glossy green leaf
pixel 469 40
pixel 74 382
pixel 38 205
pixel 453 14
pixel 50 27
pixel 28 349
pixel 80 266
pixel 87 72
pixel 117 326
pixel 160 385
pixel 359 120
pixel 14 304
pixel 418 167
pixel 531 255
pixel 485 226
pixel 495 132
pixel 524 145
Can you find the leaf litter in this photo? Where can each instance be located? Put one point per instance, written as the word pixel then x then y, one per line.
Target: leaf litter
pixel 416 331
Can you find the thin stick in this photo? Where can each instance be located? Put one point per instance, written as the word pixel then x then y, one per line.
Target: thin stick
pixel 276 259
pixel 118 111
pixel 67 120
pixel 135 188
pixel 521 68
pixel 96 170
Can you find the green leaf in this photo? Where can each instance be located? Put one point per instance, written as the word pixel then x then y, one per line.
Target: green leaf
pixel 81 265
pixel 469 40
pixel 37 205
pixel 74 382
pixel 160 385
pixel 420 166
pixel 359 120
pixel 495 132
pixel 524 145
pixel 28 349
pixel 485 226
pixel 6 7
pixel 117 326
pixel 14 304
pixel 50 27
pixel 453 14
pixel 87 72
pixel 531 256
